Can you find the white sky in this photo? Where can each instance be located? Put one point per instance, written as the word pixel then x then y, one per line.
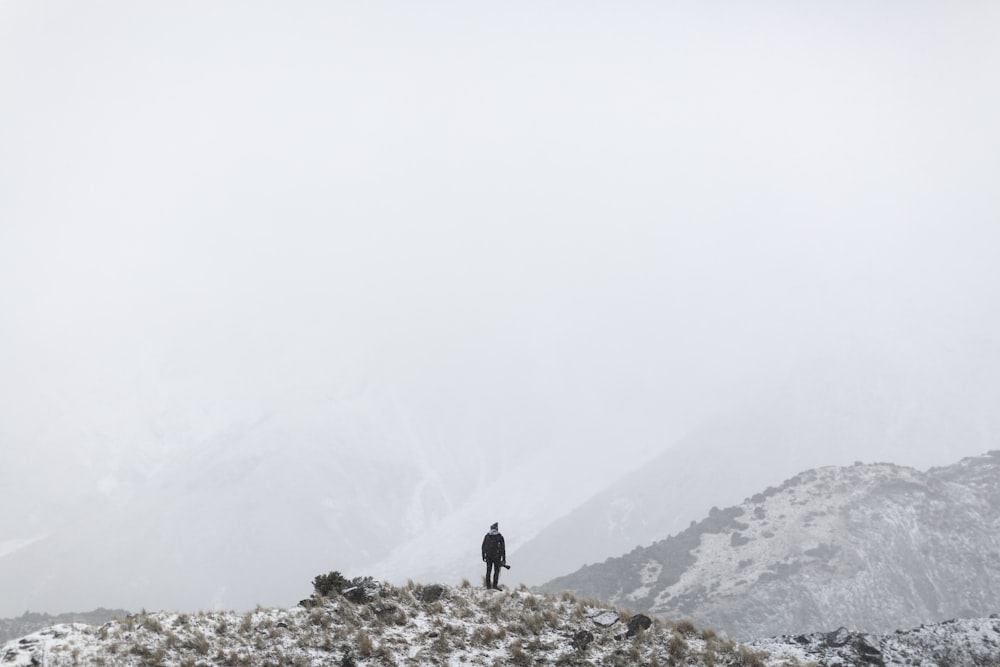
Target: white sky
pixel 571 216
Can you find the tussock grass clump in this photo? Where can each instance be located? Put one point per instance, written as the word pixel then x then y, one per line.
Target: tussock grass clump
pixel 677 646
pixel 686 628
pixel 364 643
pixel 518 656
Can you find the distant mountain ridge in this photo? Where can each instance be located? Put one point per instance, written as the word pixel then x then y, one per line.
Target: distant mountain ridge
pixel 872 547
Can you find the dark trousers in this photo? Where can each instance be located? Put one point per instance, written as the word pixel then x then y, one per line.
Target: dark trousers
pixel 492 566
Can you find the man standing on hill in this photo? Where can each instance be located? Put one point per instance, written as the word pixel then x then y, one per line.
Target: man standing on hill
pixel 495 555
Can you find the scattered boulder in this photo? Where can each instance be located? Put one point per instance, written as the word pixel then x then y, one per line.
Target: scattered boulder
pixel 604 618
pixel 431 593
pixel 856 645
pixel 381 609
pixel 362 589
pixel 637 623
pixel 582 639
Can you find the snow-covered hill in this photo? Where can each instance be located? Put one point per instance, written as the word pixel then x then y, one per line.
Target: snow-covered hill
pixel 872 547
pixel 386 625
pixel 374 623
pixel 920 408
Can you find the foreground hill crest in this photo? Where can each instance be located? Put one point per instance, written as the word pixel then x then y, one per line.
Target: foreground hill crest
pixel 411 625
pixel 375 624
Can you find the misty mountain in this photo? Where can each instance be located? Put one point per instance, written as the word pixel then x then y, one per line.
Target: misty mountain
pixel 191 515
pixel 219 505
pixel 872 547
pixel 920 408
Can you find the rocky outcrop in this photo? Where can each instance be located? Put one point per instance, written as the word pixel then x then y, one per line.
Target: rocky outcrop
pixel 953 643
pixel 431 593
pixel 362 589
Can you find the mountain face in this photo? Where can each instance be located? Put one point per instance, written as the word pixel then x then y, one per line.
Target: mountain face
pixel 917 409
pixel 870 547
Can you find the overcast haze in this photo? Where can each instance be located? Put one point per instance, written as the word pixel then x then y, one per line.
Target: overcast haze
pixel 545 236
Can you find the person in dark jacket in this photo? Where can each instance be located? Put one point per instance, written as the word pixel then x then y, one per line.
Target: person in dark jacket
pixel 494 554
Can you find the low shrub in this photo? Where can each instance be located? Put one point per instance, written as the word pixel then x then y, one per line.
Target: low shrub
pixel 326 585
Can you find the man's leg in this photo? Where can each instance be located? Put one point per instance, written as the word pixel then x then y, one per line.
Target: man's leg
pixel 489 569
pixel 496 574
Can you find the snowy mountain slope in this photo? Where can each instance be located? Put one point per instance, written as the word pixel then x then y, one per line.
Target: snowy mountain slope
pixel 921 409
pixel 873 547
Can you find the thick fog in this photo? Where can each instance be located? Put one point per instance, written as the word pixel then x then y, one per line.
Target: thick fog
pixel 321 277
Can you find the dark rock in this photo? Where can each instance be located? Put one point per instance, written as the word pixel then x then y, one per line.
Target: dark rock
pixel 854 645
pixel 637 623
pixel 308 603
pixel 582 639
pixel 431 593
pixel 362 589
pixel 838 637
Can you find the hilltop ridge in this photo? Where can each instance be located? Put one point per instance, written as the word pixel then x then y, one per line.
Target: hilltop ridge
pixel 372 623
pixel 375 623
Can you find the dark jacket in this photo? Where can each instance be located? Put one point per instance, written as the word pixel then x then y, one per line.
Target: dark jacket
pixel 493 548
